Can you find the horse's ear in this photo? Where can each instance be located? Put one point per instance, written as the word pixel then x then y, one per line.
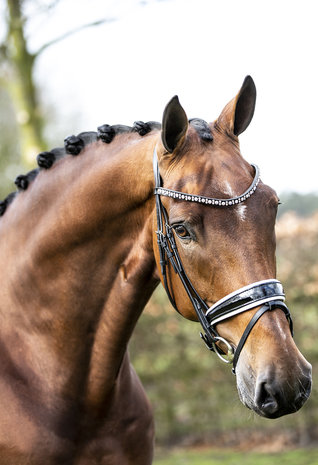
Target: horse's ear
pixel 174 124
pixel 238 113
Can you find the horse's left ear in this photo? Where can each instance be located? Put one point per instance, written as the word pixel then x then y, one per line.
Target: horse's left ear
pixel 238 113
pixel 174 124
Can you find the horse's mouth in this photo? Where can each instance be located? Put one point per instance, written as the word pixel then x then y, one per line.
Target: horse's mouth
pixel 272 401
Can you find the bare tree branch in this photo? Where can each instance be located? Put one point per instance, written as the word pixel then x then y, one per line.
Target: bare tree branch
pixel 73 31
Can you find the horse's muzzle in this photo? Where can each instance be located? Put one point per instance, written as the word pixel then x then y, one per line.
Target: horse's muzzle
pixel 276 394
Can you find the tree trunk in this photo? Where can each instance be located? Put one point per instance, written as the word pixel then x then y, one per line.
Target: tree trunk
pixel 23 89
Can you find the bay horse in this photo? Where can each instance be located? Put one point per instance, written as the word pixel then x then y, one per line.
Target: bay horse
pixel 86 239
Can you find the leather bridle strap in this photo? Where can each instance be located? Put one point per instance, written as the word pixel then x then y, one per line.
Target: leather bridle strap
pixel 274 304
pixel 268 293
pixel 168 252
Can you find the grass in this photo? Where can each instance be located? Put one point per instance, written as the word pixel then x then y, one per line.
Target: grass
pixel 212 457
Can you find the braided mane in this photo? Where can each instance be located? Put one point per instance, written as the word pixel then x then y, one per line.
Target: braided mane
pixel 73 145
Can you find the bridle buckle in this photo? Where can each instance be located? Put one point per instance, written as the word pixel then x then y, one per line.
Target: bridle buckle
pixel 229 356
pixel 211 345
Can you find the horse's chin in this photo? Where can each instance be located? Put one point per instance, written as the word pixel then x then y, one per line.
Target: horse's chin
pixel 245 392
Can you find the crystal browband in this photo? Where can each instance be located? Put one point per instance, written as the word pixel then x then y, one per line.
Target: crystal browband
pixel 209 200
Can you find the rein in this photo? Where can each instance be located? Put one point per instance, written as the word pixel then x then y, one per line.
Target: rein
pixel 268 294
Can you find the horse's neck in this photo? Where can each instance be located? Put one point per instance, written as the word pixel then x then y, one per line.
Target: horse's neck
pixel 128 295
pixel 83 260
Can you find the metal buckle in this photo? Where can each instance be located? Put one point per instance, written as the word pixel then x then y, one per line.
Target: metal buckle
pixel 226 358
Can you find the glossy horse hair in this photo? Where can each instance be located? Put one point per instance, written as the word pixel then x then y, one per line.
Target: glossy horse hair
pixel 73 145
pixel 143 128
pixel 6 202
pixel 23 180
pixel 45 160
pixel 106 133
pixel 202 128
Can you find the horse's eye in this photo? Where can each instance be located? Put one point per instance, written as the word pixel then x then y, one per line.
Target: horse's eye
pixel 182 231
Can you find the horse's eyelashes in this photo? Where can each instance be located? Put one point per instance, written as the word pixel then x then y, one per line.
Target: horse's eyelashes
pixel 181 231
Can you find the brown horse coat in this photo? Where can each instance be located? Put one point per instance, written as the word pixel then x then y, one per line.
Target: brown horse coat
pixel 78 254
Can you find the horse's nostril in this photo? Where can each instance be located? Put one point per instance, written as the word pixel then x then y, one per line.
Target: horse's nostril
pixel 266 400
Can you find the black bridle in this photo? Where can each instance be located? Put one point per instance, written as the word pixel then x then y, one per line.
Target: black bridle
pixel 267 294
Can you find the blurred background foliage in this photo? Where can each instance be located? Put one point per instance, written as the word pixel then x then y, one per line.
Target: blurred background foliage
pixel 193 394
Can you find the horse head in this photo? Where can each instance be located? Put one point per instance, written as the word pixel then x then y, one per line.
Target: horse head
pixel 215 228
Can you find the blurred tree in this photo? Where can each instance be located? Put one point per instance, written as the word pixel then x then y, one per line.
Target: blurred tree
pixel 17 66
pixel 17 74
pixel 10 164
pixel 302 204
pixel 20 81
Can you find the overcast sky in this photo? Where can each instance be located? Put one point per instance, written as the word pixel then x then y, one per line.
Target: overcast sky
pixel 128 69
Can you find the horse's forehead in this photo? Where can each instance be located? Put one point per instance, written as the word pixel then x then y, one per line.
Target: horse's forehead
pixel 203 152
pixel 218 168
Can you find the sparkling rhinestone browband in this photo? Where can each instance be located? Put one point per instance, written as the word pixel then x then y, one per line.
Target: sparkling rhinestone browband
pixel 209 200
